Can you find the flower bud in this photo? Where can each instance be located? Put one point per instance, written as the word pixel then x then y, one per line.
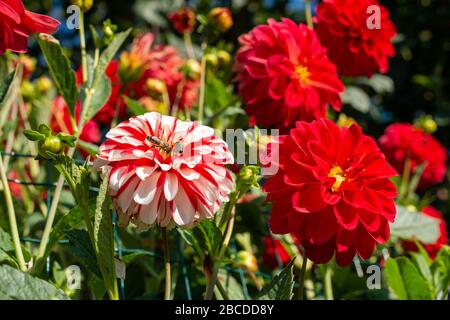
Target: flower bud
pixel 247 178
pixel 85 5
pixel 221 17
pixel 211 59
pixel 29 65
pixel 155 87
pixel 50 144
pixel 224 57
pixel 247 261
pixel 27 89
pixel 345 121
pixel 43 84
pixel 192 69
pixel 426 123
pixel 183 20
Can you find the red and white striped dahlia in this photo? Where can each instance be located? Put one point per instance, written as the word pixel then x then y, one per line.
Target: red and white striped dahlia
pixel 165 171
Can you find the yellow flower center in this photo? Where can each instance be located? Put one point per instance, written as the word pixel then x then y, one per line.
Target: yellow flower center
pixel 339 174
pixel 302 73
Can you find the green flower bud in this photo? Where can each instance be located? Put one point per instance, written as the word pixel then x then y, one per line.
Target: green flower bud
pixel 85 5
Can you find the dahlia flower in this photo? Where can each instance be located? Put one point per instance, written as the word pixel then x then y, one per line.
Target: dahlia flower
pixel 183 20
pixel 17 24
pixel 165 171
pixel 403 140
pixel 285 75
pixel 274 253
pixel 431 248
pixel 161 62
pixel 332 191
pixel 347 28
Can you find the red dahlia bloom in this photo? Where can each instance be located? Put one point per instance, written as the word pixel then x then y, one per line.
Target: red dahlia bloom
pixel 432 248
pixel 354 44
pixel 274 253
pixel 403 140
pixel 284 75
pixel 165 171
pixel 332 191
pixel 17 24
pixel 163 63
pixel 183 20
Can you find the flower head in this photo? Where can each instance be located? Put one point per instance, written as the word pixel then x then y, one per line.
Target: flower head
pixel 332 191
pixel 221 17
pixel 163 63
pixel 165 171
pixel 431 248
pixel 17 24
pixel 284 75
pixel 402 140
pixel 183 20
pixel 357 35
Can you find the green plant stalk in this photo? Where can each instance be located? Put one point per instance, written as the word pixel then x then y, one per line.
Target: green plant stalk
pixel 201 102
pixel 168 280
pixel 328 283
pixel 301 279
pixel 83 48
pixel 225 242
pixel 403 189
pixel 12 217
pixel 188 45
pixel 308 13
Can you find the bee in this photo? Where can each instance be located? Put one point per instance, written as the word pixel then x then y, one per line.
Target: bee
pixel 177 148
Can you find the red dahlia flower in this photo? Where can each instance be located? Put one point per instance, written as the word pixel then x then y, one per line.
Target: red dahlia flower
pixel 17 24
pixel 354 41
pixel 332 191
pixel 284 75
pixel 403 140
pixel 163 63
pixel 165 171
pixel 183 20
pixel 432 248
pixel 274 253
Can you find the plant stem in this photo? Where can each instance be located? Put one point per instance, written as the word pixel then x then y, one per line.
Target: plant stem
pixel 168 285
pixel 222 291
pixel 328 284
pixel 83 48
pixel 188 44
pixel 201 102
pixel 223 248
pixel 12 217
pixel 301 279
pixel 308 13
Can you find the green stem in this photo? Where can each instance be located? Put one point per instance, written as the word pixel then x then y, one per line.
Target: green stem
pixel 188 44
pixel 83 48
pixel 222 291
pixel 168 283
pixel 308 13
pixel 201 103
pixel 301 279
pixel 12 218
pixel 223 248
pixel 328 283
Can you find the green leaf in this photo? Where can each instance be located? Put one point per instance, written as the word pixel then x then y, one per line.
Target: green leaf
pixel 134 106
pixel 231 286
pixel 406 281
pixel 441 268
pixel 80 246
pixel 357 98
pixel 207 236
pixel 422 264
pixel 99 96
pixel 62 73
pixel 6 248
pixel 9 88
pixel 90 148
pixel 103 233
pixel 33 135
pixel 415 226
pixel 281 286
pixel 17 285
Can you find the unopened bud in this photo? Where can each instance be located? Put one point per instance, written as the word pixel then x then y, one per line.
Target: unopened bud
pixel 85 5
pixel 155 87
pixel 221 17
pixel 192 69
pixel 247 261
pixel 43 84
pixel 224 57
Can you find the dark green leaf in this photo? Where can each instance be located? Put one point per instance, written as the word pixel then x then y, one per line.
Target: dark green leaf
pixel 17 285
pixel 99 95
pixel 281 286
pixel 81 247
pixel 62 73
pixel 207 236
pixel 33 135
pixel 134 106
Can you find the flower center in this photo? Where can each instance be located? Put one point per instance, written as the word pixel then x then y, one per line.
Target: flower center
pixel 339 174
pixel 302 74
